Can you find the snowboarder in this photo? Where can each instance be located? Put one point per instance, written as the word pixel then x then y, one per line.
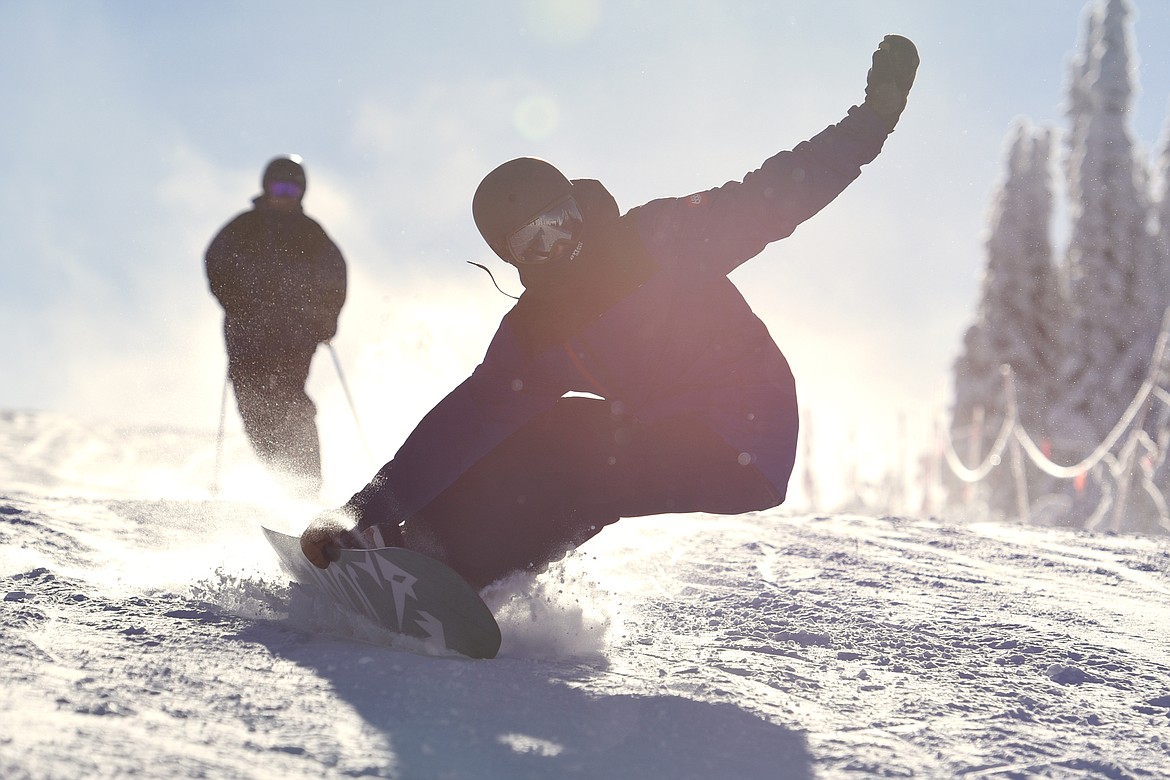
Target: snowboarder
pixel 281 282
pixel 691 406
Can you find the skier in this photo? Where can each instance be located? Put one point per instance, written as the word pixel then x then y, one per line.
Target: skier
pixel 692 406
pixel 281 282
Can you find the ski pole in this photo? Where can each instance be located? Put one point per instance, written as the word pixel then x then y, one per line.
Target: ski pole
pixel 352 408
pixel 219 437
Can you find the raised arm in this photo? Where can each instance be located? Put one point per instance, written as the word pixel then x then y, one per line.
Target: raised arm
pixel 717 230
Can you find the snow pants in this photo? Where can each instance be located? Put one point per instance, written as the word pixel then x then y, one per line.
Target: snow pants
pixel 279 418
pixel 570 472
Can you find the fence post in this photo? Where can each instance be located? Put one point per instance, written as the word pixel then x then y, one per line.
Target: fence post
pixel 974 447
pixel 1021 478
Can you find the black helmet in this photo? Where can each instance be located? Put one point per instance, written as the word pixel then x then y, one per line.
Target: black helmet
pixel 515 194
pixel 286 169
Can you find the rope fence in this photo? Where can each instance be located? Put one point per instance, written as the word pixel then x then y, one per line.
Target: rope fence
pixel 1138 448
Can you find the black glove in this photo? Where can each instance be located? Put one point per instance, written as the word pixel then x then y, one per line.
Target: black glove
pixel 326 535
pixel 326 329
pixel 890 77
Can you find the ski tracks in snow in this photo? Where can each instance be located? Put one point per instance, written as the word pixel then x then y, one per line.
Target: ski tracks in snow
pixel 755 646
pixel 908 646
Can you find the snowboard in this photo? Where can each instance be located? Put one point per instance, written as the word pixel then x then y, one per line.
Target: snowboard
pixel 401 590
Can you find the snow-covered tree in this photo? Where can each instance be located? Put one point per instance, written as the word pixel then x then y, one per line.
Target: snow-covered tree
pixel 1161 198
pixel 1159 426
pixel 1116 285
pixel 1019 312
pixel 1022 305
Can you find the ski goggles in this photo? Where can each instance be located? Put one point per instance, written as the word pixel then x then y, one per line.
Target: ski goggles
pixel 285 189
pixel 535 241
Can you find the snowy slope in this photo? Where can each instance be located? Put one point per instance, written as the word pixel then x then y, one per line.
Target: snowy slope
pixel 146 629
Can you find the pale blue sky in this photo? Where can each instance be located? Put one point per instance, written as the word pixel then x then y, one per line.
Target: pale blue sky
pixel 133 130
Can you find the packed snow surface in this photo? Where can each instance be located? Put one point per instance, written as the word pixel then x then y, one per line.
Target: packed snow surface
pixel 146 629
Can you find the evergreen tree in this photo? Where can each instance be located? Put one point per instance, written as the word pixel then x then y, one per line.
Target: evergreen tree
pixel 1116 287
pixel 1022 305
pixel 1018 316
pixel 1159 425
pixel 1161 217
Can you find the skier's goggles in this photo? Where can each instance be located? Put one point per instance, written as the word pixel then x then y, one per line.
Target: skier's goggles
pixel 285 189
pixel 535 241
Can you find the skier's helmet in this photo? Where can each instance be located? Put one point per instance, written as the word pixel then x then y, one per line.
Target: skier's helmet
pixel 525 211
pixel 284 177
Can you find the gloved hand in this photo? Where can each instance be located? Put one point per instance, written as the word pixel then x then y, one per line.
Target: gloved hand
pixel 322 541
pixel 335 530
pixel 890 77
pixel 326 330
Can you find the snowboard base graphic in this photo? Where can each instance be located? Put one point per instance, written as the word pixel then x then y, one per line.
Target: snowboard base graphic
pixel 401 590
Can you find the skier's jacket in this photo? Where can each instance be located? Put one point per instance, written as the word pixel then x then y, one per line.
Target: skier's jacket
pixel 646 318
pixel 280 280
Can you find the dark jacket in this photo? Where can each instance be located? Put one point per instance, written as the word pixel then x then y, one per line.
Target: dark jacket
pixel 280 280
pixel 646 318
